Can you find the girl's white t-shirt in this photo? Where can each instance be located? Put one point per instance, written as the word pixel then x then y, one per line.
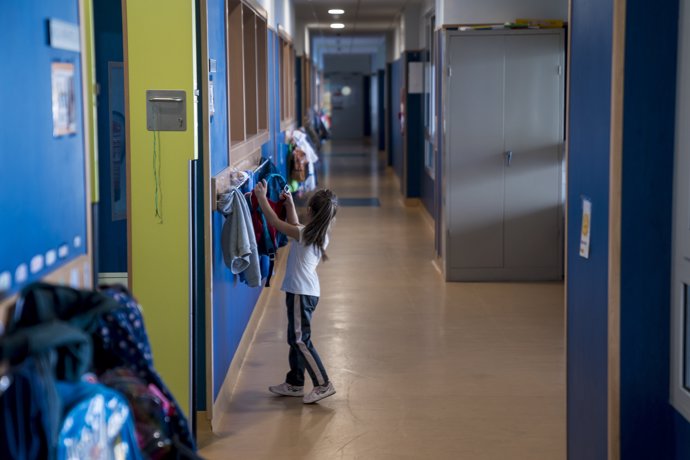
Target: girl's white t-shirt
pixel 300 273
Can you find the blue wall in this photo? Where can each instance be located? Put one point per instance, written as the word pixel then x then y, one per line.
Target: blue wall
pixel 413 140
pixel 649 426
pixel 279 155
pixel 681 440
pixel 427 192
pixel 112 234
pixel 233 302
pixel 42 192
pixel 396 146
pixel 381 94
pixel 647 420
pixel 299 116
pixel 588 175
pixel 414 134
pixel 439 36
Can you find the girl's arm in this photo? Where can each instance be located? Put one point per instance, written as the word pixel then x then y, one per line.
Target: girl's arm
pixel 286 228
pixel 291 217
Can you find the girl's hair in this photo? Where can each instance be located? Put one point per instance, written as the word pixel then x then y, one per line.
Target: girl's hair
pixel 323 205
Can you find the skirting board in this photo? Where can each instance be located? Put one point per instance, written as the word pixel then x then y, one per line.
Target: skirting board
pixel 222 402
pixel 120 278
pixel 428 218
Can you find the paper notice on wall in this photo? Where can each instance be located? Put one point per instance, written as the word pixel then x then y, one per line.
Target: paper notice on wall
pixel 586 227
pixel 415 77
pixel 64 99
pixel 211 100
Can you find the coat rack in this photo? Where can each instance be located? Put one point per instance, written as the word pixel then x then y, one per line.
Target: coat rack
pixel 226 180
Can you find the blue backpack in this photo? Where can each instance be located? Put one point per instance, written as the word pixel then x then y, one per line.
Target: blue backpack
pixel 268 239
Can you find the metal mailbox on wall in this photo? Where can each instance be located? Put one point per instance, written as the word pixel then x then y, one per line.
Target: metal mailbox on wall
pixel 166 110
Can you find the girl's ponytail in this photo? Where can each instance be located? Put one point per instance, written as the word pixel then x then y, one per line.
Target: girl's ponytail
pixel 324 206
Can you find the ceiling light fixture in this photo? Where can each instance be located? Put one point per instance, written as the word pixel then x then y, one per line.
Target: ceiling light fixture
pixel 336 11
pixel 337 25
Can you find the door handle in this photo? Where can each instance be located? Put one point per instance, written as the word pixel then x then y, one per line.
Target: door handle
pixel 509 157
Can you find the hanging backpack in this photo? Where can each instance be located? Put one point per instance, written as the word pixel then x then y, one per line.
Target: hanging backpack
pixel 299 165
pixel 268 239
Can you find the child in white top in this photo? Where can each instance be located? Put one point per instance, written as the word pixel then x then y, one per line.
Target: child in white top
pixel 301 286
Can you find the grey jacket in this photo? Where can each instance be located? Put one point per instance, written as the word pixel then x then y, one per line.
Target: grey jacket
pixel 237 238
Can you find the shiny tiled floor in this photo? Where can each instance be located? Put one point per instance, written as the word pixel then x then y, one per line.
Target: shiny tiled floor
pixel 424 369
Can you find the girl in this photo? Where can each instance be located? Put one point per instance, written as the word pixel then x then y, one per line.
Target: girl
pixel 301 286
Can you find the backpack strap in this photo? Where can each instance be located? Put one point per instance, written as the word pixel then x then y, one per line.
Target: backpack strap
pixel 270 249
pixel 269 242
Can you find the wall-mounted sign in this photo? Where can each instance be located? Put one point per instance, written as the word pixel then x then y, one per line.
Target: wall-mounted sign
pixel 64 99
pixel 586 227
pixel 64 35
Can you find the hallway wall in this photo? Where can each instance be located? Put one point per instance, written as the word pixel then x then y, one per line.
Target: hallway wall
pixel 649 427
pixel 160 49
pixel 43 176
pixel 396 138
pixel 587 279
pixel 618 300
pixel 233 302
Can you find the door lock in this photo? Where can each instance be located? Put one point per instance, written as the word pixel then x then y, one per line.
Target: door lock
pixel 509 157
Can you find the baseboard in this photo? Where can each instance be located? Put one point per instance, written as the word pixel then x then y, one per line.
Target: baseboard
pixel 412 202
pixel 437 262
pixel 222 403
pixel 428 218
pixel 113 278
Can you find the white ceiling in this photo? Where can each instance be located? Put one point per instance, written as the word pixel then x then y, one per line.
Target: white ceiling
pixel 360 15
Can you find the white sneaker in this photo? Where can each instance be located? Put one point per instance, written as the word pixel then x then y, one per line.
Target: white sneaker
pixel 285 389
pixel 318 393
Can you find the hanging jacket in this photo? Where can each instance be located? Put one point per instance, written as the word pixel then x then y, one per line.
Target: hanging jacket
pixel 238 240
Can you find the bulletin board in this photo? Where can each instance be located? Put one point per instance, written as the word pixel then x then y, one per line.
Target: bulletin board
pixel 43 181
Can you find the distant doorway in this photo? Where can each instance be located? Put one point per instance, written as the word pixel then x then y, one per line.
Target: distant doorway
pixel 347 105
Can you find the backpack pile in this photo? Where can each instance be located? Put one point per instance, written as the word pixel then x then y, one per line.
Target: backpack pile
pixel 78 382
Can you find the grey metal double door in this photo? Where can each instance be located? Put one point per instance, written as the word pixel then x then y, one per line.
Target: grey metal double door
pixel 504 141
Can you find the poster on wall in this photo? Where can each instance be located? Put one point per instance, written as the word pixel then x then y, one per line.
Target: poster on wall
pixel 64 99
pixel 118 141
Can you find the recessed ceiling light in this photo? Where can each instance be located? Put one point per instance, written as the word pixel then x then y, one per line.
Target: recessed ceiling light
pixel 336 11
pixel 337 25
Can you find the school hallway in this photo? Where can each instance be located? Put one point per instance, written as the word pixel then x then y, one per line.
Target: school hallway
pixel 423 369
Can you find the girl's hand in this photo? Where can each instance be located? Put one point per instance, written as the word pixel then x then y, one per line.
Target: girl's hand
pixel 287 196
pixel 260 189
